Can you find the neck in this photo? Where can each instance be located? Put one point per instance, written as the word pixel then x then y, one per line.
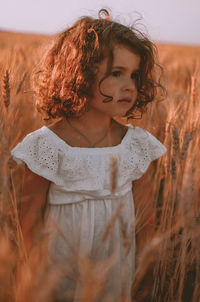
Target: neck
pixel 91 122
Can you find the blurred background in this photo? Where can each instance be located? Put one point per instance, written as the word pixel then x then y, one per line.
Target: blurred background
pixel 171 21
pixel 169 262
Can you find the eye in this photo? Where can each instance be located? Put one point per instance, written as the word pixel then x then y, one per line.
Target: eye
pixel 135 75
pixel 116 74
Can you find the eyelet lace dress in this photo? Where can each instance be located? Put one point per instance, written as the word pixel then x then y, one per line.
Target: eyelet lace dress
pixel 84 216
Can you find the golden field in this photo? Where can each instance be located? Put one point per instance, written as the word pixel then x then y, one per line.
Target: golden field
pixel 168 267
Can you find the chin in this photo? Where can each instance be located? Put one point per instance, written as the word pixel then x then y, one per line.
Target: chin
pixel 123 114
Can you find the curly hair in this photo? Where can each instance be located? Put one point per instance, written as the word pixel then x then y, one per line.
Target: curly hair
pixel 63 85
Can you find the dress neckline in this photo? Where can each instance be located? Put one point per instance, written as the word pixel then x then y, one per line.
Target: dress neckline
pixel 108 148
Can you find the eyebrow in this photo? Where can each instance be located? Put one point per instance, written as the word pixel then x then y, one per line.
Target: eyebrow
pixel 124 68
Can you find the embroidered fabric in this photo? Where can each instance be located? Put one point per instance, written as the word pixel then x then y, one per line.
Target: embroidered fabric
pixel 88 170
pixel 82 205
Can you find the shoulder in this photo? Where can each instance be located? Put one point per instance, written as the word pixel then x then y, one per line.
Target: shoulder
pixel 39 152
pixel 56 126
pixel 62 130
pixel 146 142
pixel 119 130
pixel 40 132
pixel 36 141
pixel 140 149
pixel 30 139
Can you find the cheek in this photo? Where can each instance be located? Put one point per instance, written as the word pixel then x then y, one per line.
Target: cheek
pixel 108 86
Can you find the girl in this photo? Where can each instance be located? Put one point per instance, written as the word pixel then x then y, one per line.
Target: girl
pixel 80 168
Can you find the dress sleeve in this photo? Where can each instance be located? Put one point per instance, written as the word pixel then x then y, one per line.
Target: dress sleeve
pixel 143 149
pixel 156 148
pixel 40 155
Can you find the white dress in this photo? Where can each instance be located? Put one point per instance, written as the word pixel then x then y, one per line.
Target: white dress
pixel 87 213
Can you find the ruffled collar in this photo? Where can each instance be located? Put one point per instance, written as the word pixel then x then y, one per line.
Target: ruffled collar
pixel 87 149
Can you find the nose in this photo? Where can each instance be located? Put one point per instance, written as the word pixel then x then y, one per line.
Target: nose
pixel 129 85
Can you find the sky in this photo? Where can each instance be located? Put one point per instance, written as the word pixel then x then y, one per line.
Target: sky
pixel 170 21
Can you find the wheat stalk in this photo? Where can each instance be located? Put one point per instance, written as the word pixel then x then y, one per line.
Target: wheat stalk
pixel 113 173
pixel 176 141
pixel 187 139
pixel 6 89
pixel 21 82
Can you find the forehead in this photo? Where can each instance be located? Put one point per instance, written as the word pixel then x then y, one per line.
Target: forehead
pixel 123 56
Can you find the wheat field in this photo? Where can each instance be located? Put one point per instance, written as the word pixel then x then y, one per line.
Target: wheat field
pixel 168 266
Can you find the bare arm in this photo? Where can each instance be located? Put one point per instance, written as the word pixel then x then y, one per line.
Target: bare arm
pixel 33 202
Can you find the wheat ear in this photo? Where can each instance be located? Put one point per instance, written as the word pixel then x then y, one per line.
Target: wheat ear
pixel 6 89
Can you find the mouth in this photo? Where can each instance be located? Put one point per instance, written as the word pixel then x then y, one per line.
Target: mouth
pixel 126 100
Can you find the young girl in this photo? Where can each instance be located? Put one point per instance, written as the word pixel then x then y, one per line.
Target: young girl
pixel 79 170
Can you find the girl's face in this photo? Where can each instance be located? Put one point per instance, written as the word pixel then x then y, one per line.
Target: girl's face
pixel 120 84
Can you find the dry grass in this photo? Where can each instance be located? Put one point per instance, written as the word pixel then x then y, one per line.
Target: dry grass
pixel 169 267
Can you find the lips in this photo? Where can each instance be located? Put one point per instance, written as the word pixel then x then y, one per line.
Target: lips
pixel 125 100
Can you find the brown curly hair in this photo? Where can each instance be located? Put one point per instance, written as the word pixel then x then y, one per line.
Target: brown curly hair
pixel 63 85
